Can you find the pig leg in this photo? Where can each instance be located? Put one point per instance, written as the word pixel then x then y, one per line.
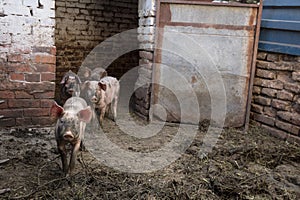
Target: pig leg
pixel 74 155
pixel 63 154
pixel 102 113
pixel 114 108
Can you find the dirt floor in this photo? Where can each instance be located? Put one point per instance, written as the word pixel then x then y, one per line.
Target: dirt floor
pixel 250 165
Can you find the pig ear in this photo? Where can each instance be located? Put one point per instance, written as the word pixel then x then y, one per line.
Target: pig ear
pixel 87 72
pixel 56 111
pixel 77 79
pixel 85 115
pixel 103 74
pixel 102 86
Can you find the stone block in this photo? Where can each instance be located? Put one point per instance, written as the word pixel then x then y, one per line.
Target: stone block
pixel 262 100
pixel 256 90
pixel 273 57
pixel 296 76
pixel 269 111
pixel 269 92
pixel 261 55
pixel 285 95
pixel 280 105
pixel 257 108
pixel 264 119
pixel 293 87
pixel 265 74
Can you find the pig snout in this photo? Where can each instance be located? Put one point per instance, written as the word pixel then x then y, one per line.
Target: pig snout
pixel 68 136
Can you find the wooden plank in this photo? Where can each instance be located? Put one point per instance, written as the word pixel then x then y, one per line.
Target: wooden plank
pixel 281 3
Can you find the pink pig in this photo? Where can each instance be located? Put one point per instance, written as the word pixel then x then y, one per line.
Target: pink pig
pixel 106 97
pixel 70 128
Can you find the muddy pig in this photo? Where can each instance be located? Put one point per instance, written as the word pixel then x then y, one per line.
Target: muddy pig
pixel 96 74
pixel 70 128
pixel 106 97
pixel 69 86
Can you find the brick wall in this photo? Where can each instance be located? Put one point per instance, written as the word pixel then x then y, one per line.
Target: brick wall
pixel 276 95
pixel 83 24
pixel 146 33
pixel 27 62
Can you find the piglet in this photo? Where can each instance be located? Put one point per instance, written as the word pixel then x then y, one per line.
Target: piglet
pixel 70 128
pixel 106 97
pixel 69 86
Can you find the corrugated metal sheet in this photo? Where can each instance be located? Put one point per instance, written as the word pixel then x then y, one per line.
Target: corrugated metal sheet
pixel 207 50
pixel 280 27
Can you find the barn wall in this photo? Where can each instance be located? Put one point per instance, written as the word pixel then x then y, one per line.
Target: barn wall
pixel 83 24
pixel 27 62
pixel 276 95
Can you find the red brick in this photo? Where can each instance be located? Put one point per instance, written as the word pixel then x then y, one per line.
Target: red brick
pixel 11 113
pixel 46 103
pixel 47 77
pixel 3 105
pixel 35 87
pixel 20 67
pixel 23 103
pixel 7 94
pixel 23 95
pixel 36 112
pixel 281 105
pixel 17 76
pixel 44 95
pixel 45 68
pixel 146 54
pixel 283 126
pixel 45 58
pixel 32 77
pixel 24 121
pixel 42 49
pixel 15 58
pixel 285 95
pixel 43 121
pixel 7 122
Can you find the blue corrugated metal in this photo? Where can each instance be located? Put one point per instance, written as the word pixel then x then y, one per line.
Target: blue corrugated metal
pixel 280 27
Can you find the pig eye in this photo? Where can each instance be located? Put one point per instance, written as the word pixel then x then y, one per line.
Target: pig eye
pixel 62 121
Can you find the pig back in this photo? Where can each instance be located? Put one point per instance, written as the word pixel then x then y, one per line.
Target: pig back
pixel 75 104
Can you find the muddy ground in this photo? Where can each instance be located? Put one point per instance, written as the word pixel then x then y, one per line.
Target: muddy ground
pixel 250 165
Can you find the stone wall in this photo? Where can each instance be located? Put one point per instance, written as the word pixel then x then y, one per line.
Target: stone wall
pixel 27 62
pixel 83 24
pixel 276 95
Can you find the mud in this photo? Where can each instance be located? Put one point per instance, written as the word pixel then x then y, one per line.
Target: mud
pixel 251 165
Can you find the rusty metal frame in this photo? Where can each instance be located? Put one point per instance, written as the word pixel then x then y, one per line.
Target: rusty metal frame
pixel 162 20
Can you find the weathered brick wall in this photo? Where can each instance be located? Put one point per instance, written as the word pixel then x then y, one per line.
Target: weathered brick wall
pixel 146 37
pixel 27 62
pixel 276 95
pixel 83 24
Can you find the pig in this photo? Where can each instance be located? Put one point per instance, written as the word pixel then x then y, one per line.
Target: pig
pixel 70 127
pixel 88 89
pixel 106 97
pixel 87 74
pixel 69 86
